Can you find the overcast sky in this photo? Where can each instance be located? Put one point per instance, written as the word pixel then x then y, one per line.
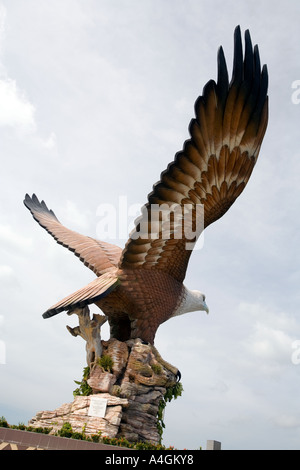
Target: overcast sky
pixel 95 100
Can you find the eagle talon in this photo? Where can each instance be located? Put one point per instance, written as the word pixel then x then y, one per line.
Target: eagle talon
pixel 178 376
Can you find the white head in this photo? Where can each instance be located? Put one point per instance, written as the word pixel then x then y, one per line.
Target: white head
pixel 192 301
pixel 195 301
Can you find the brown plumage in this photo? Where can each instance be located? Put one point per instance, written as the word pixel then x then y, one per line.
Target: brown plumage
pixel 141 286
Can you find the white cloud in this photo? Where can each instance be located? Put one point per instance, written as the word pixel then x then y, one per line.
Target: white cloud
pixel 8 280
pixel 73 217
pixel 15 110
pixel 5 272
pixel 11 240
pixel 2 25
pixel 50 143
pixel 287 421
pixel 268 345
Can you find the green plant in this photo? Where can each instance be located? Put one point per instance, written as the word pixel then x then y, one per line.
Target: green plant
pixel 96 437
pixel 66 430
pixel 78 435
pixel 83 431
pixel 157 369
pixel 116 390
pixel 3 422
pixel 84 389
pixel 106 363
pixel 21 426
pixel 172 392
pixel 42 430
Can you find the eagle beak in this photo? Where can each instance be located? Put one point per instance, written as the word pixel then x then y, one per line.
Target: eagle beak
pixel 205 307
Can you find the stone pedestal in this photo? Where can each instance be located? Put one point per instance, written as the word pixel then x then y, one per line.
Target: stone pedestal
pixel 133 378
pixel 77 414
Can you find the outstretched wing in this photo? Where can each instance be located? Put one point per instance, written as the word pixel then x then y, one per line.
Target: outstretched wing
pixel 214 166
pixel 100 257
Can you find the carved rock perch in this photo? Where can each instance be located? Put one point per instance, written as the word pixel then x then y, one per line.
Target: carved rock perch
pixel 89 330
pixel 140 376
pixel 134 388
pixel 131 375
pixel 144 383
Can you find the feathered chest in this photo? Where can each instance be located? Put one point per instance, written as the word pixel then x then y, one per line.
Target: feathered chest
pixel 143 291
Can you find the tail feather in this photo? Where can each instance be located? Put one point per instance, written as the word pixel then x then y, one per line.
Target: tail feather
pixel 89 294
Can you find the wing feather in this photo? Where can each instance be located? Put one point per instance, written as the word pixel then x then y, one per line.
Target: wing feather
pixel 100 257
pixel 216 162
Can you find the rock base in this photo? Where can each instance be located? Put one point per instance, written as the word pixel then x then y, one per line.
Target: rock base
pixel 76 413
pixel 134 385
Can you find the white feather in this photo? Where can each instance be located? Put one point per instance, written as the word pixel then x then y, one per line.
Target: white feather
pixel 191 301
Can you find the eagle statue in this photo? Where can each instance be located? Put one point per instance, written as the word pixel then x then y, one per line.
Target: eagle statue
pixel 141 286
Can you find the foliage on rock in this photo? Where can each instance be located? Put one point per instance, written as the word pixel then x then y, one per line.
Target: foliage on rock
pixel 67 431
pixel 172 392
pixel 84 389
pixel 106 363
